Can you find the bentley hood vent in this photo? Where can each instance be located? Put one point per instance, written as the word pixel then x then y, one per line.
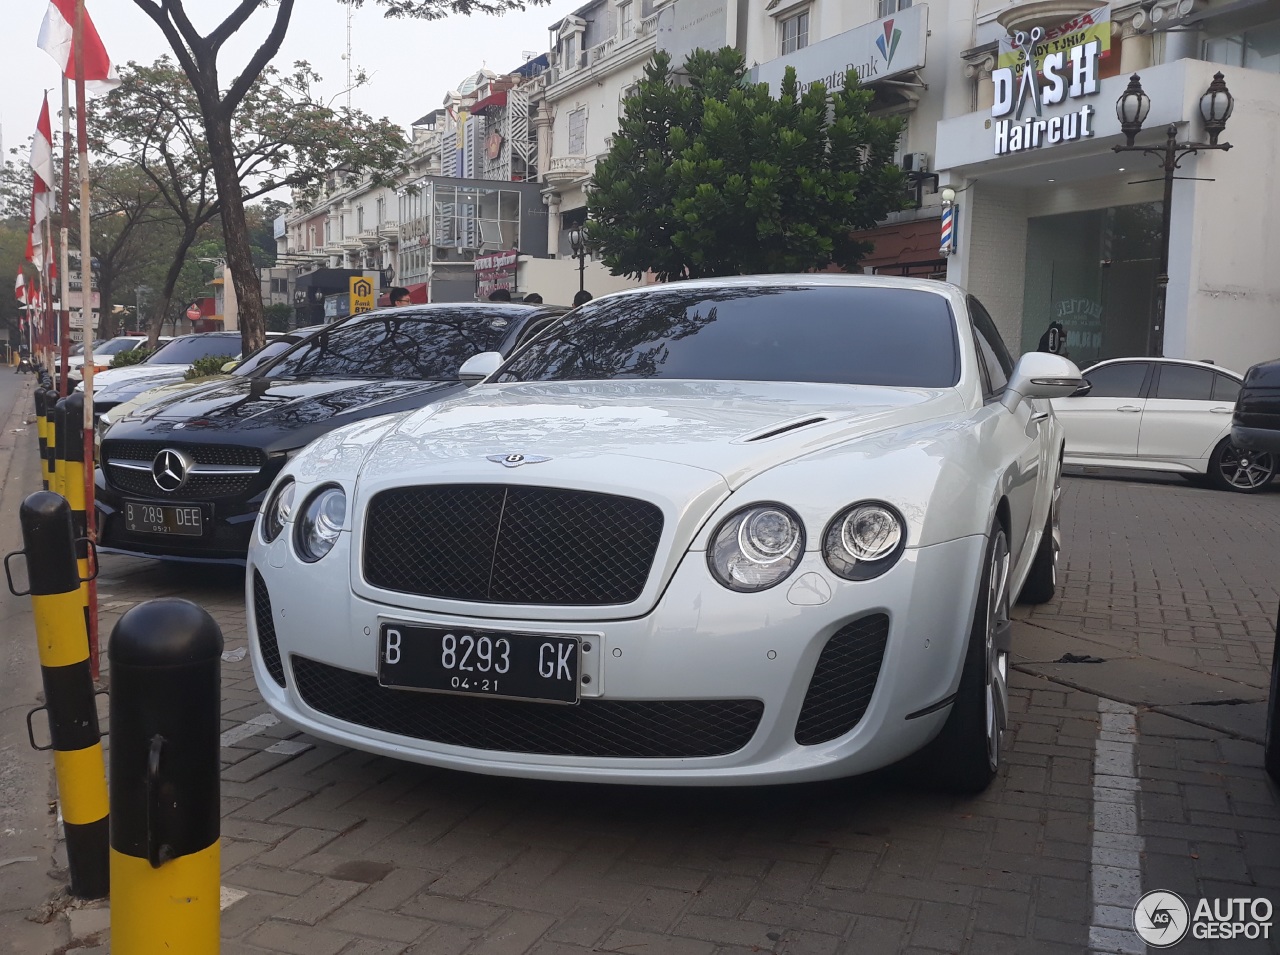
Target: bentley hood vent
pixel 784 429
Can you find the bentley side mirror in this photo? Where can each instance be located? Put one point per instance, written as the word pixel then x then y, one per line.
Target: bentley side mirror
pixel 1041 375
pixel 1083 390
pixel 479 367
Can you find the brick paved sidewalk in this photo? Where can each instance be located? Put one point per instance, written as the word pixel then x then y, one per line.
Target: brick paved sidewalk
pixel 327 850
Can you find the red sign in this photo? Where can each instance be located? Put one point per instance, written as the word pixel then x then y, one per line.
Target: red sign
pixel 494 272
pixel 193 313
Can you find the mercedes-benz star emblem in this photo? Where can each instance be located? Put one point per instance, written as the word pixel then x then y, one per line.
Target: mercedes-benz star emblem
pixel 170 469
pixel 515 460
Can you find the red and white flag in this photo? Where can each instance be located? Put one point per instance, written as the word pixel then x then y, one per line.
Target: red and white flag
pixel 20 288
pixel 42 166
pixel 57 38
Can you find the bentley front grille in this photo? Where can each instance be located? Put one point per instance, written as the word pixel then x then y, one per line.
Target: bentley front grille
pixel 510 544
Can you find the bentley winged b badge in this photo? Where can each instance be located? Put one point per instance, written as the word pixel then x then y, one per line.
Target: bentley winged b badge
pixel 515 460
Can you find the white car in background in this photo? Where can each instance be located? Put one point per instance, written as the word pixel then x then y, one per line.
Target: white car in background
pixel 738 531
pixel 1161 414
pixel 103 353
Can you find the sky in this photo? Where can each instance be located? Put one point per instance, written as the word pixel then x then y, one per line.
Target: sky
pixel 412 63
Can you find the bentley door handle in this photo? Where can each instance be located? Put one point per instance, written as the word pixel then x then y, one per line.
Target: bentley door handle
pixel 1129 408
pixel 1220 410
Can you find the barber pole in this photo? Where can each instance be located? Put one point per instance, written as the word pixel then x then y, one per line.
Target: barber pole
pixel 948 230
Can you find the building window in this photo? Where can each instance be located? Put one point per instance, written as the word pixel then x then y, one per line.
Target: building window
pixel 381 209
pixel 889 7
pixel 578 132
pixel 1254 49
pixel 328 231
pixel 795 32
pixel 626 25
pixel 569 51
pixel 359 219
pixel 627 92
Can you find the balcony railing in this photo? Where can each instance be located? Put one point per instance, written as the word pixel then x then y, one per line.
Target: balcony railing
pixel 645 27
pixel 567 168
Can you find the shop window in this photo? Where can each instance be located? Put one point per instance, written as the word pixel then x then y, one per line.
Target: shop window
pixel 794 31
pixel 1254 49
pixel 1094 272
pixel 888 8
pixel 578 132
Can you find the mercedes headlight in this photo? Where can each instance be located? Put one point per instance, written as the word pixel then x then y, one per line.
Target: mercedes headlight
pixel 278 510
pixel 319 523
pixel 864 541
pixel 756 548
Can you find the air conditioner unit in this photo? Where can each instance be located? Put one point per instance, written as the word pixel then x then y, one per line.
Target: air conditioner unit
pixel 915 162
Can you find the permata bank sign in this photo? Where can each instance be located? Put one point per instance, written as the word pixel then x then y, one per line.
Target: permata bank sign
pixel 1064 67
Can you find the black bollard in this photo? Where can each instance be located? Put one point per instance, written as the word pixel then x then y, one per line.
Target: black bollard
pixel 165 658
pixel 49 545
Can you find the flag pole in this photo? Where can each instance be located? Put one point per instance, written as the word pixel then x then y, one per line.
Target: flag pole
pixel 86 324
pixel 50 314
pixel 64 313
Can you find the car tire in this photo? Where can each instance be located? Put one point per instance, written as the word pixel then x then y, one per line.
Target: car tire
pixel 1042 580
pixel 965 756
pixel 1235 469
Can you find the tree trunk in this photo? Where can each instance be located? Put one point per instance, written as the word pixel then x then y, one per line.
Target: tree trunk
pixel 235 234
pixel 156 325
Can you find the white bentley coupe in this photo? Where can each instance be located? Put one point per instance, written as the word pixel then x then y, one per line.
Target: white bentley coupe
pixel 739 531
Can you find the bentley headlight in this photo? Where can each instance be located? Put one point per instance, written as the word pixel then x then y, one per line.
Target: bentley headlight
pixel 756 548
pixel 320 521
pixel 864 541
pixel 278 511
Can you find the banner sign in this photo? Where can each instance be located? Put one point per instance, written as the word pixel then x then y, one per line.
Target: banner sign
pixel 1094 25
pixel 875 51
pixel 495 271
pixel 361 290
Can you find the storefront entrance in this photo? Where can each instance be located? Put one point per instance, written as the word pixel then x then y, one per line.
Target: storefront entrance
pixel 1095 272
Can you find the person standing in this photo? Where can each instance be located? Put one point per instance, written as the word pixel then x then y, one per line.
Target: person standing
pixel 398 296
pixel 500 295
pixel 582 298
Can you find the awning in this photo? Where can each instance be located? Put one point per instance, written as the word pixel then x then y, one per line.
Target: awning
pixel 417 295
pixel 492 100
pixel 534 66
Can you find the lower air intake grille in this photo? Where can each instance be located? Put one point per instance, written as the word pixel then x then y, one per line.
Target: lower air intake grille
pixel 653 729
pixel 843 680
pixel 262 616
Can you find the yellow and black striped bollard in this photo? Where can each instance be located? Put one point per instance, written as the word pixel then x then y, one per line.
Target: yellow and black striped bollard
pixel 41 429
pixel 166 658
pixel 71 463
pixel 54 432
pixel 49 546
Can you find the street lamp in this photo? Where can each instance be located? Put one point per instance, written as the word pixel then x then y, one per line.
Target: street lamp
pixel 1132 108
pixel 579 246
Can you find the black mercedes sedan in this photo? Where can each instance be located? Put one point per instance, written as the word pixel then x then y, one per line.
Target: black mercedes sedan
pixel 182 478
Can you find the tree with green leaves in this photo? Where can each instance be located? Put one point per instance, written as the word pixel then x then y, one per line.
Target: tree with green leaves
pixel 220 105
pixel 283 136
pixel 719 177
